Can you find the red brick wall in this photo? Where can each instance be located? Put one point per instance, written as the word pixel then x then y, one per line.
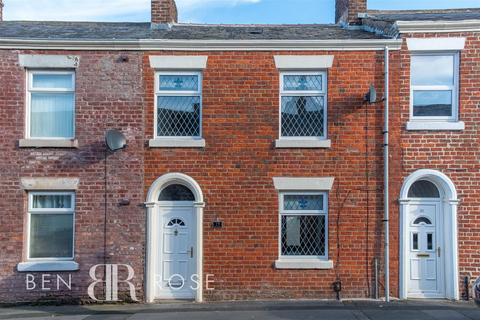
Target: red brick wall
pixel 455 153
pixel 235 171
pixel 109 95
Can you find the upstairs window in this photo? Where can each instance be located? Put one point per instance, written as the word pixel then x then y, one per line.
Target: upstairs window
pixel 51 105
pixel 303 105
pixel 434 87
pixel 178 105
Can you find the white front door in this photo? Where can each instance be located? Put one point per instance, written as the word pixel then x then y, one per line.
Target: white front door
pixel 176 267
pixel 425 246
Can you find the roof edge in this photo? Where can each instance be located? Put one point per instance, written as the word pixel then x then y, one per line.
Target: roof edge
pixel 423 11
pixel 426 26
pixel 201 45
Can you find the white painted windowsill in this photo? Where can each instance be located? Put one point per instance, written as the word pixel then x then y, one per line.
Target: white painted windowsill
pixel 48 143
pixel 303 264
pixel 435 125
pixel 302 143
pixel 177 143
pixel 39 266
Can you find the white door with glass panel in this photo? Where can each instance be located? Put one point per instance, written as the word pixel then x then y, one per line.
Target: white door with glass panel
pixel 176 264
pixel 425 250
pixel 175 274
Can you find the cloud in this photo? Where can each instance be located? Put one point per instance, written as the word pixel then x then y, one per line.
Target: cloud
pixel 106 10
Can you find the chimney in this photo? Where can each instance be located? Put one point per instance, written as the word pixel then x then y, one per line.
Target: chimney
pixel 163 12
pixel 346 11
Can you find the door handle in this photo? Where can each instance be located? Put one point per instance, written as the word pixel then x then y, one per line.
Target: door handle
pixel 439 251
pixel 191 252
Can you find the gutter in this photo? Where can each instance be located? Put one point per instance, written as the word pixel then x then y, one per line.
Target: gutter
pixel 201 45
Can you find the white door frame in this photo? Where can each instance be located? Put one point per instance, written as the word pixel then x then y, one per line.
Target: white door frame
pixel 153 205
pixel 448 214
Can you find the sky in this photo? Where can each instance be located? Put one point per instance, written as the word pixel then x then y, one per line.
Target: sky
pixel 207 11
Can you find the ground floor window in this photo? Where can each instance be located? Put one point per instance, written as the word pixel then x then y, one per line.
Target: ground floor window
pixel 51 225
pixel 303 224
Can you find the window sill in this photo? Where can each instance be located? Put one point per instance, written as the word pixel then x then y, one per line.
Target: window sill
pixel 303 264
pixel 177 143
pixel 39 266
pixel 302 143
pixel 48 143
pixel 437 126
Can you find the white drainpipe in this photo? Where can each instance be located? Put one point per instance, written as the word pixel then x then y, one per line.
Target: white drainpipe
pixel 386 179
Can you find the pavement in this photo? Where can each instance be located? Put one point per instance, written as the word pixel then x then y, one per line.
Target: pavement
pixel 265 310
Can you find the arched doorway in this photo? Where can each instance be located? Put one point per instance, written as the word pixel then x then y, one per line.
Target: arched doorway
pixel 428 236
pixel 174 239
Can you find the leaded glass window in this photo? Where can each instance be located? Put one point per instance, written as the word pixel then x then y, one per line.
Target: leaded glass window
pixel 304 224
pixel 303 105
pixel 51 104
pixel 51 225
pixel 179 105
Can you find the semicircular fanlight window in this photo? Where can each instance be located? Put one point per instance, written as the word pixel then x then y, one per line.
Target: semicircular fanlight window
pixel 176 222
pixel 423 189
pixel 420 220
pixel 176 192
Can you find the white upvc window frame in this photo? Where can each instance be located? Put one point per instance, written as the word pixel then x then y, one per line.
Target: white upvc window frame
pixel 30 90
pixel 195 93
pixel 307 93
pixel 454 88
pixel 283 212
pixel 69 211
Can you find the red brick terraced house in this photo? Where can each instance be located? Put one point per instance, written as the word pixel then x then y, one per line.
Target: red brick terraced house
pixel 255 165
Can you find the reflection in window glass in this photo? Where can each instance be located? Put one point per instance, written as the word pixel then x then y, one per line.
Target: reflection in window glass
pixel 432 103
pixel 434 86
pixel 429 70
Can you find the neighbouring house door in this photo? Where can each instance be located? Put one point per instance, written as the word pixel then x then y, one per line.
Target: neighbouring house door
pixel 176 268
pixel 426 279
